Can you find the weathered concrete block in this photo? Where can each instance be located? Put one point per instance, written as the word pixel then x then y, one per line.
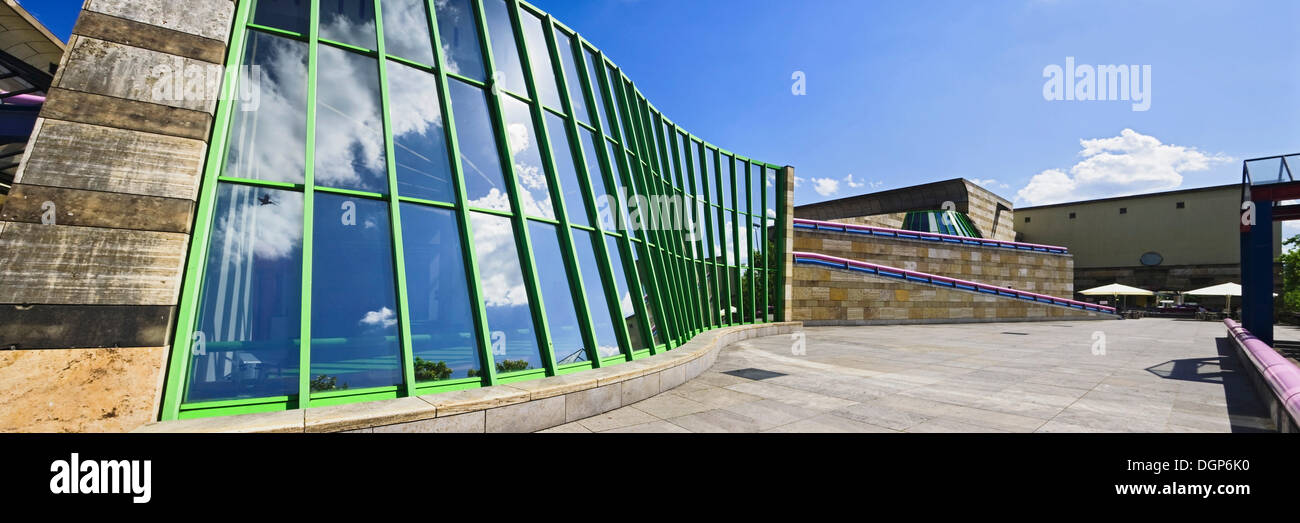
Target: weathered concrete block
pixel 79 390
pixel 84 156
pixel 122 71
pixel 58 264
pixel 145 36
pixel 37 204
pixel 206 18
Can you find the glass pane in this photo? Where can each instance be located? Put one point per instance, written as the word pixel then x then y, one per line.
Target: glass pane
pixel 504 51
pixel 607 202
pixel 617 100
pixel 290 15
pixel 602 317
pixel 251 304
pixel 592 62
pixel 643 272
pixel 419 140
pixel 458 31
pixel 539 58
pixel 270 143
pixel 349 21
pixel 443 337
pixel 727 171
pixel 479 161
pixel 406 30
pixel 565 171
pixel 625 303
pixel 509 316
pixel 755 181
pixel 553 282
pixel 535 195
pixel 742 188
pixel 572 80
pixel 349 127
pixel 771 193
pixel 354 296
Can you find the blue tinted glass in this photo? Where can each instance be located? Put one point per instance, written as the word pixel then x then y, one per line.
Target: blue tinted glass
pixel 572 80
pixel 480 164
pixel 277 69
pixel 625 304
pixel 245 342
pixel 643 273
pixel 539 59
pixel 615 84
pixel 728 170
pixel 348 21
pixel 290 15
pixel 755 181
pixel 442 329
pixel 505 53
pixel 771 193
pixel 602 316
pixel 509 316
pixel 458 31
pixel 742 185
pixel 604 114
pixel 419 140
pixel 553 282
pixel 349 125
pixel 535 193
pixel 353 296
pixel 607 202
pixel 406 30
pixel 565 170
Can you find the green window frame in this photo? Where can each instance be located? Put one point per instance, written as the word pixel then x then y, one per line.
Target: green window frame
pixel 639 150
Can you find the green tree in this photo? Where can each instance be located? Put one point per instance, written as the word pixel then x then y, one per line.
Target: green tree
pixel 1291 274
pixel 426 370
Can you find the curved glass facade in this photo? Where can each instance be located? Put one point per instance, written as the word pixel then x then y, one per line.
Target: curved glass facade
pixel 412 196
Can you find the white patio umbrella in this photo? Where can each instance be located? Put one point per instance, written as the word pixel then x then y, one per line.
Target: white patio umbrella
pixel 1116 290
pixel 1227 290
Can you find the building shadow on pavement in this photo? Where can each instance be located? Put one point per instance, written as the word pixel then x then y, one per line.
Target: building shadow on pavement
pixel 1246 412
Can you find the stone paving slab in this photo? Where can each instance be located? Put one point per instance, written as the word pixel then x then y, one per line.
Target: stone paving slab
pixel 1156 375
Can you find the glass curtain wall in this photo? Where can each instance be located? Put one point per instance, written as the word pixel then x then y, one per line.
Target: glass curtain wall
pixel 405 197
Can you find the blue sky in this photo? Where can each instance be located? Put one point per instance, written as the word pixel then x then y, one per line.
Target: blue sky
pixel 901 93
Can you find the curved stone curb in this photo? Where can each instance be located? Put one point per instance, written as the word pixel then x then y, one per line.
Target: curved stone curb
pixel 526 406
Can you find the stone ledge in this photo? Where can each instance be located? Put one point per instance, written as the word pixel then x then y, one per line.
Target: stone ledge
pixel 515 407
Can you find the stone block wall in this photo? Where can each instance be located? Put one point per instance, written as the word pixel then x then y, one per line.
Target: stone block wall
pixel 827 296
pixel 1051 274
pixel 94 235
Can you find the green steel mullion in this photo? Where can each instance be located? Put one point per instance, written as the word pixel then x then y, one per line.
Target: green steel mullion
pixel 707 242
pixel 684 161
pixel 750 243
pixel 628 174
pixel 487 366
pixel 611 179
pixel 576 286
pixel 722 236
pixel 522 241
pixel 655 122
pixel 308 208
pixel 643 134
pixel 668 144
pixel 735 244
pixel 395 214
pixel 178 365
pixel 668 282
pixel 607 283
pixel 763 232
pixel 779 206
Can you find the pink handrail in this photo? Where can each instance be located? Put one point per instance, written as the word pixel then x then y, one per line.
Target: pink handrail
pixel 1282 375
pixel 931 278
pixel 869 228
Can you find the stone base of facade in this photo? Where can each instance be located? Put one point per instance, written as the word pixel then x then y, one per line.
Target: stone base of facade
pixel 825 296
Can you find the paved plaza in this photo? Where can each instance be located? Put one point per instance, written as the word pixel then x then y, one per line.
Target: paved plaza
pixel 1148 375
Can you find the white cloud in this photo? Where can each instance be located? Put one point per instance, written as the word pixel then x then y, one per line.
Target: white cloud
pixel 798 181
pixel 383 317
pixel 1131 163
pixel 826 186
pixel 851 183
